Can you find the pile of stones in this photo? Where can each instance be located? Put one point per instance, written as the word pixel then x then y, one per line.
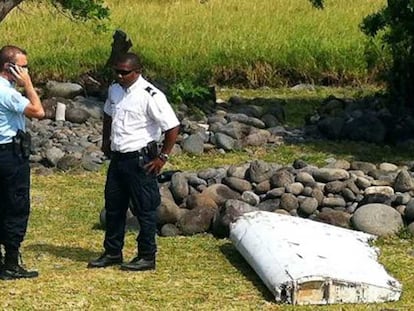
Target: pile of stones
pixel 70 135
pixel 367 119
pixel 359 195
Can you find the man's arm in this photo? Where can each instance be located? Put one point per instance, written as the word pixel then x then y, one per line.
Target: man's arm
pixel 106 134
pixel 170 138
pixel 34 109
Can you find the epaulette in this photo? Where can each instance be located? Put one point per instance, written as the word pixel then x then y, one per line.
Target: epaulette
pixel 150 91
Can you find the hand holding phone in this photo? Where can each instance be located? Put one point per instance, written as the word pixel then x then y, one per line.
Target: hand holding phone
pixel 14 70
pixel 19 73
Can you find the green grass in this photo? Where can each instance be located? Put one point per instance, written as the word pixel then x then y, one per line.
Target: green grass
pixel 299 104
pixel 249 43
pixel 193 273
pixel 253 43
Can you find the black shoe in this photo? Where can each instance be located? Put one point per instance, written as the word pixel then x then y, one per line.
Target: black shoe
pixel 139 264
pixel 12 272
pixel 105 260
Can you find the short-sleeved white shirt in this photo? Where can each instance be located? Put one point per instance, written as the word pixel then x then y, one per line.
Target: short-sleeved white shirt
pixel 139 114
pixel 12 106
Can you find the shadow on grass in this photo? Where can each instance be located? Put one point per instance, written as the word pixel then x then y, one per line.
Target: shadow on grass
pixel 72 253
pixel 234 257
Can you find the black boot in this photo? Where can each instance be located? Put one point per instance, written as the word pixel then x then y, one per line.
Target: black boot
pixel 13 270
pixel 105 260
pixel 139 264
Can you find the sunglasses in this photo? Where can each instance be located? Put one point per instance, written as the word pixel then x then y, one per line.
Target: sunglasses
pixel 122 72
pixel 13 65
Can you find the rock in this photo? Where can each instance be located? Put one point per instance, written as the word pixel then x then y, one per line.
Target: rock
pixel 199 200
pixel 239 171
pixel 366 167
pixel 169 212
pixel 77 115
pixel 403 182
pixel 308 206
pixel 330 174
pixel 289 202
pixel 197 220
pixel 282 178
pixel 220 193
pixel 305 178
pixel 388 167
pixel 238 184
pixel 224 141
pixel 63 89
pixel 193 144
pixel 333 202
pixel 385 190
pixel 409 211
pixel 53 155
pixel 170 230
pixel 67 163
pixel 230 211
pixel 269 205
pixel 335 218
pixel 256 138
pixel 378 219
pixel 92 105
pixel 335 187
pixel 295 188
pixel 179 187
pixel 275 193
pixel 260 171
pixel 91 163
pixel 250 198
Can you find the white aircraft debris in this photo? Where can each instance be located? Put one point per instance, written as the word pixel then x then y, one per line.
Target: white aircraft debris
pixel 307 262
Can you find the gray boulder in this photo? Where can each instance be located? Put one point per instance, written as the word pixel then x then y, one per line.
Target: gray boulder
pixel 378 219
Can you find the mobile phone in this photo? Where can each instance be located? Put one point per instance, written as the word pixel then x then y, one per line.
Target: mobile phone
pixel 13 69
pixel 12 65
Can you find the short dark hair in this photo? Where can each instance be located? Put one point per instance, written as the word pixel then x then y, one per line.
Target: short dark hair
pixel 130 58
pixel 8 54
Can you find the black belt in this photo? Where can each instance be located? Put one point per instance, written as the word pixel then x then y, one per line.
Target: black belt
pixel 8 146
pixel 116 155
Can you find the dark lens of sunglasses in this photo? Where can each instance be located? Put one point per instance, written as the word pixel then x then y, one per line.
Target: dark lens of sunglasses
pixel 22 66
pixel 123 72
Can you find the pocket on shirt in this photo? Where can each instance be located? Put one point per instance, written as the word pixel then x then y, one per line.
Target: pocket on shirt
pixel 133 119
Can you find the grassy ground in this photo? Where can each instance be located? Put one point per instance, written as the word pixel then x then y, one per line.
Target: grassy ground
pixel 253 43
pixel 193 273
pixel 299 104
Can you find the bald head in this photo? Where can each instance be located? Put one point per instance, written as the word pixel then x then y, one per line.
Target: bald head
pixel 8 54
pixel 130 59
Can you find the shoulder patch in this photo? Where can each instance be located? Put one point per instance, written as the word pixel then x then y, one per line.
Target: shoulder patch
pixel 150 91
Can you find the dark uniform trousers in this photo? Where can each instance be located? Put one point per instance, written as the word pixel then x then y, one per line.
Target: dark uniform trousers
pixel 128 181
pixel 14 198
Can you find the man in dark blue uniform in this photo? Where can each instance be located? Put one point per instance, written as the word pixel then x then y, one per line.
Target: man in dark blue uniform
pixel 14 157
pixel 136 113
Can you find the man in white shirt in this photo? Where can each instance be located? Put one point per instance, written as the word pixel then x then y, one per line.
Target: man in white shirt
pixel 136 113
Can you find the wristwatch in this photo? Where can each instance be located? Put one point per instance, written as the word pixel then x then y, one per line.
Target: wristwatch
pixel 164 156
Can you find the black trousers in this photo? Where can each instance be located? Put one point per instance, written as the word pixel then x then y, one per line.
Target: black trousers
pixel 127 181
pixel 14 199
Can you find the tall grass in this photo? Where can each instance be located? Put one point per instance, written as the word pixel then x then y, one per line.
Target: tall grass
pixel 233 42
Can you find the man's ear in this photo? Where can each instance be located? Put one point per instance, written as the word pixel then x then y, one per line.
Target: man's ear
pixel 6 67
